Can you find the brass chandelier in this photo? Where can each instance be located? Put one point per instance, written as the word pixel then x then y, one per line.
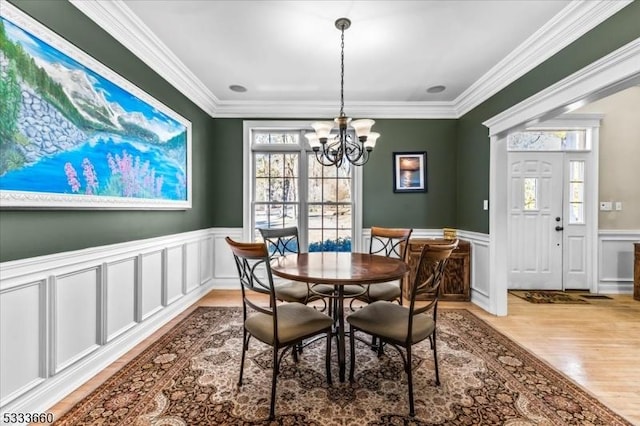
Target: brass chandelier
pixel 333 150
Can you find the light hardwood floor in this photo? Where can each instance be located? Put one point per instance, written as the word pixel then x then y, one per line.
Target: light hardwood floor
pixel 596 345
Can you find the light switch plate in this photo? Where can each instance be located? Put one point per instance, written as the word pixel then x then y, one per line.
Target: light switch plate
pixel 618 205
pixel 605 206
pixel 485 205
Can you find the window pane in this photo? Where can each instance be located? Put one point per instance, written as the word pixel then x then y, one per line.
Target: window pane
pixel 530 194
pixel 576 192
pixel 315 190
pixel 276 215
pixel 329 216
pixel 276 165
pixel 548 140
pixel 343 194
pixel 289 189
pixel 276 137
pixel 262 189
pixel 344 217
pixel 576 213
pixel 576 171
pixel 262 165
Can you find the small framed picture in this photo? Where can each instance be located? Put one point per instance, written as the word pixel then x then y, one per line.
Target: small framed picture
pixel 409 172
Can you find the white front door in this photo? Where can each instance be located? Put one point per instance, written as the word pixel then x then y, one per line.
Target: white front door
pixel 535 220
pixel 548 225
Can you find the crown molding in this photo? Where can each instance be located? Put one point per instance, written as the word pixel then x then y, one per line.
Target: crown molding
pixel 122 24
pixel 304 109
pixel 563 29
pixel 572 22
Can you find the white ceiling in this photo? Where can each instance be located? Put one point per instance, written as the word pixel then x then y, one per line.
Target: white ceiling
pixel 287 53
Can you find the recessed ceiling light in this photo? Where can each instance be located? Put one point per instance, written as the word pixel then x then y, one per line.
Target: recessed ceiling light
pixel 436 89
pixel 237 88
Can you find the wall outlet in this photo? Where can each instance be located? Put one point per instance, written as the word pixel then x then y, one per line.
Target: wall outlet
pixel 605 206
pixel 618 205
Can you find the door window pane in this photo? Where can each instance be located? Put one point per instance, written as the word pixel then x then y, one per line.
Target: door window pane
pixel 530 194
pixel 576 192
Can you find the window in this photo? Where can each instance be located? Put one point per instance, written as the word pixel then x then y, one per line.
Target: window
pixel 286 186
pixel 530 192
pixel 549 140
pixel 576 192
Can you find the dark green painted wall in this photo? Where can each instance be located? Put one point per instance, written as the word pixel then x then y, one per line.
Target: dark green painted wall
pixel 33 233
pixel 473 138
pixel 434 209
pixel 382 207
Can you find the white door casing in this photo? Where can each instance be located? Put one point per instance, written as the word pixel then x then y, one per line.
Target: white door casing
pixel 550 247
pixel 614 72
pixel 535 246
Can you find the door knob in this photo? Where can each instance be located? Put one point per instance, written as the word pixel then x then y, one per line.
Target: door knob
pixel 559 228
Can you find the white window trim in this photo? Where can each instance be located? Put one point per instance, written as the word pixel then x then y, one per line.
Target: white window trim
pixel 247 178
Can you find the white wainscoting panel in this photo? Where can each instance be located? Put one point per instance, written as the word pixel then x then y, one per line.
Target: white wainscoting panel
pixel 65 317
pixel 174 274
pixel 192 269
pixel 22 339
pixel 206 260
pixel 120 286
pixel 76 316
pixel 224 267
pixel 479 267
pixel 615 248
pixel 151 287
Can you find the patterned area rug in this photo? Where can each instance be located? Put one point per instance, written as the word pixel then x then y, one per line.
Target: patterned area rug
pixel 546 296
pixel 188 377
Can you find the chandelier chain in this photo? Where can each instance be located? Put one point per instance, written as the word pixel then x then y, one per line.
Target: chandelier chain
pixel 342 73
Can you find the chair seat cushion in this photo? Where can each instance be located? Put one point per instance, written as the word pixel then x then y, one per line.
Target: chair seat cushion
pixel 295 321
pixel 382 291
pixel 390 320
pixel 352 290
pixel 293 291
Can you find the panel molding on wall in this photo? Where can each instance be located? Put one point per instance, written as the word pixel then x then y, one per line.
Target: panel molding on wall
pixel 67 316
pixel 615 248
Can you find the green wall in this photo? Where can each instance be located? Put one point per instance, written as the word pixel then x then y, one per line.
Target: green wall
pixel 33 233
pixel 434 209
pixel 473 138
pixel 382 207
pixel 457 150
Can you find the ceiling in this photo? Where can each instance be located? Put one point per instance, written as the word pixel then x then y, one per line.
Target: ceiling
pixel 287 53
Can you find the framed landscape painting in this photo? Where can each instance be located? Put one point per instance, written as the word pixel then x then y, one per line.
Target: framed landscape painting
pixel 74 134
pixel 409 172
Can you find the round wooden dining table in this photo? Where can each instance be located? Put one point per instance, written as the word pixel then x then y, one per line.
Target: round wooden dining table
pixel 339 269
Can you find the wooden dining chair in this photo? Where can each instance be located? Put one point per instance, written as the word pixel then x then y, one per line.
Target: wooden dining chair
pixel 402 327
pixel 390 242
pixel 282 326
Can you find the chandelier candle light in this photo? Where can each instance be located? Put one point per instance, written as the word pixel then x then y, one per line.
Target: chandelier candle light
pixel 333 150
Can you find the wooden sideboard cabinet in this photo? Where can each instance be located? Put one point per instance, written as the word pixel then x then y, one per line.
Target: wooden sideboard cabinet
pixel 456 283
pixel 636 271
